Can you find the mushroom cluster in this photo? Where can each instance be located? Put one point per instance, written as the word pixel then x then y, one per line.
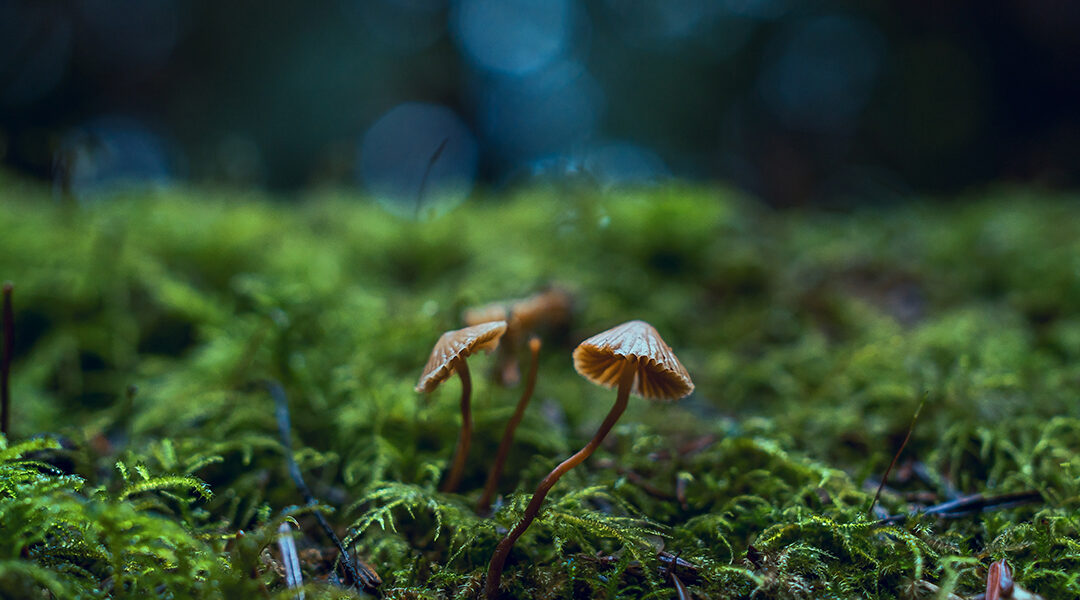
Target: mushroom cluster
pixel 631 357
pixel 547 309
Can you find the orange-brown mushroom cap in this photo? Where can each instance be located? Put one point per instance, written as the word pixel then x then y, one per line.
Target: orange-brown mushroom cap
pixel 454 346
pixel 496 311
pixel 549 307
pixel 633 345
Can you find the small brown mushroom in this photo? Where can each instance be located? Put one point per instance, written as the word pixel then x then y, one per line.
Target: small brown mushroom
pixel 631 357
pixel 448 357
pixel 548 308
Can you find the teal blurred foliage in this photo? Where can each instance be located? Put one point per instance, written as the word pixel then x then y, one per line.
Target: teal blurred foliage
pixel 828 102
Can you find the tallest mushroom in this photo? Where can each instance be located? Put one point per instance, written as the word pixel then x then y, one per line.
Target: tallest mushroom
pixel 631 357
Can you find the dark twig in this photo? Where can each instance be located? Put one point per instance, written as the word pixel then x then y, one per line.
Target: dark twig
pixel 680 590
pixel 896 456
pixel 5 362
pixel 427 172
pixel 668 561
pixel 969 505
pixel 355 573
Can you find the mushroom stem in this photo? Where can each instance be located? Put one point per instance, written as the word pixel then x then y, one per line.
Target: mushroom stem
pixel 508 434
pixel 502 551
pixel 462 451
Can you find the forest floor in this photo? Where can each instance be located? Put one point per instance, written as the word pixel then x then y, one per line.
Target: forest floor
pixel 162 338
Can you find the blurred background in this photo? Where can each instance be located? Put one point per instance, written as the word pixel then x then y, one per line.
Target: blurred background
pixel 830 102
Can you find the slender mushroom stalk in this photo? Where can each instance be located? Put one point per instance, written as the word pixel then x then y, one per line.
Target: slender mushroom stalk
pixel 465 437
pixel 448 357
pixel 484 503
pixel 631 357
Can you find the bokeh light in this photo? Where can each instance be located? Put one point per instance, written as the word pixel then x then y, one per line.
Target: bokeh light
pixel 784 98
pixel 418 160
pixel 548 112
pixel 513 36
pixel 108 154
pixel 624 163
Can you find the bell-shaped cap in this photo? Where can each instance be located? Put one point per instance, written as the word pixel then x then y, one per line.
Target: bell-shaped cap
pixel 454 346
pixel 496 311
pixel 659 375
pixel 550 307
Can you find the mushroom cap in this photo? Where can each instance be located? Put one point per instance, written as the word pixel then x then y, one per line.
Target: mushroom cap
pixel 549 307
pixel 454 346
pixel 496 311
pixel 633 345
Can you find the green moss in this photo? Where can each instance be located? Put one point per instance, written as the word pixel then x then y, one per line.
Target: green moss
pixel 812 337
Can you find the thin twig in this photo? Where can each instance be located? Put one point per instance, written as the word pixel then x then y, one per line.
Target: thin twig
pixel 680 590
pixel 667 562
pixel 357 574
pixel 5 362
pixel 969 505
pixel 896 456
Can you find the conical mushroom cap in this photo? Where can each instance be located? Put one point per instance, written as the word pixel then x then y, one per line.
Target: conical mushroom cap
pixel 550 307
pixel 496 311
pixel 633 345
pixel 454 346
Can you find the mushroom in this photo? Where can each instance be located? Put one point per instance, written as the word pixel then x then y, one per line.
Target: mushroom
pixel 448 357
pixel 484 503
pixel 547 308
pixel 631 357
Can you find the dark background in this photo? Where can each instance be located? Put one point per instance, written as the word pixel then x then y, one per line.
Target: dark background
pixel 799 102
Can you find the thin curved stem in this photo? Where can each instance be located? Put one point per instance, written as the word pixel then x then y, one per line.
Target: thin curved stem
pixel 508 434
pixel 462 451
pixel 498 559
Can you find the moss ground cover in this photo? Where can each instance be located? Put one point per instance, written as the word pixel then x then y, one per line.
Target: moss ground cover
pixel 143 442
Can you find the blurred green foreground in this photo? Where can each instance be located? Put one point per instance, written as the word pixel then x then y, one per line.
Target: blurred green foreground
pixel 141 442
